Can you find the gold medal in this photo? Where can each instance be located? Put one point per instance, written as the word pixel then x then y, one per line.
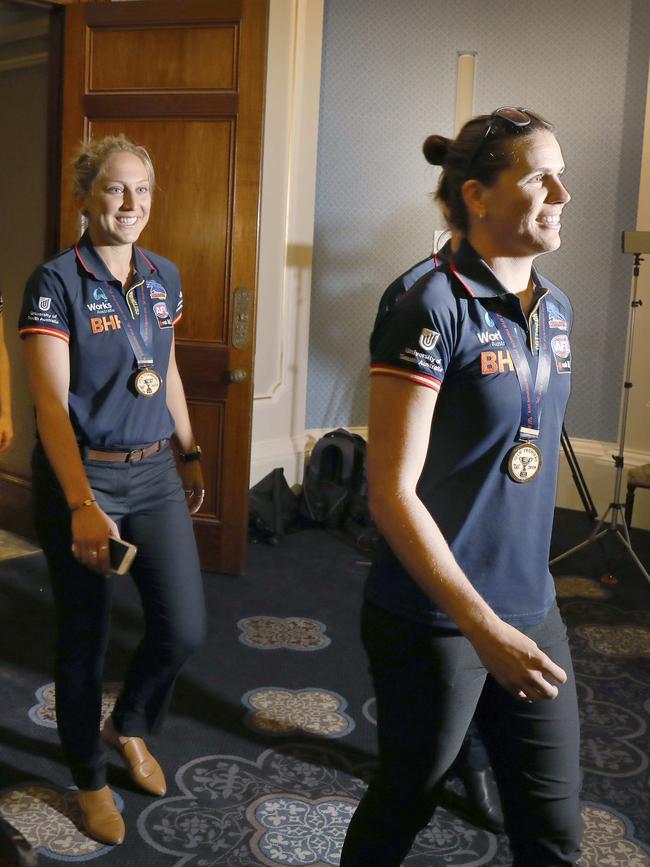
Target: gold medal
pixel 147 382
pixel 524 462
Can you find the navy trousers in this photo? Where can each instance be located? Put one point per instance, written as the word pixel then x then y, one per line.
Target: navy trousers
pixel 429 685
pixel 147 502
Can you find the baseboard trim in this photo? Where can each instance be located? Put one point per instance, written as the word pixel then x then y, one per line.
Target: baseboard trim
pixel 594 458
pixel 16 504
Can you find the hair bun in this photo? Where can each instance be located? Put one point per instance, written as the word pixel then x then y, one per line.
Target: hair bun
pixel 435 149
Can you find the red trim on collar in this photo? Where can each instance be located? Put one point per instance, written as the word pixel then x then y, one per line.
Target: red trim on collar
pixel 78 255
pixel 436 261
pixel 460 279
pixel 146 259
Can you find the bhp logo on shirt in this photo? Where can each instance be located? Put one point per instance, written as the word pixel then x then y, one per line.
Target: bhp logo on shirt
pixel 100 324
pixel 497 362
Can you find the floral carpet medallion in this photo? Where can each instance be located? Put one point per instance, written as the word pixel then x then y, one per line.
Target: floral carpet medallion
pixel 50 821
pixel 298 830
pixel 607 732
pixel 311 711
pixel 578 586
pixel 290 807
pixel 44 714
pixel 283 633
pixel 620 641
pixel 608 840
pixel 616 636
pixel 452 842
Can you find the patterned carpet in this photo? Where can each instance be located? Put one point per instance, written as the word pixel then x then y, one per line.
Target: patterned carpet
pixel 272 730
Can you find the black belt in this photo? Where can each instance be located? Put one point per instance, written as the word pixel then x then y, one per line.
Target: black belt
pixel 132 457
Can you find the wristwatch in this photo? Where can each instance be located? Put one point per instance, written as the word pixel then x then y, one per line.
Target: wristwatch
pixel 186 457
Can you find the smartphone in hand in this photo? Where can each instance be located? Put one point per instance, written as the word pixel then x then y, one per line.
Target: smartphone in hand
pixel 121 555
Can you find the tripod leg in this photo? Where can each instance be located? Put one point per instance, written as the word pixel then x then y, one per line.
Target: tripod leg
pixel 578 478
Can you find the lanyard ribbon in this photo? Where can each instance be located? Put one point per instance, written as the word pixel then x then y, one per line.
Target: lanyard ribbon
pixel 531 395
pixel 142 344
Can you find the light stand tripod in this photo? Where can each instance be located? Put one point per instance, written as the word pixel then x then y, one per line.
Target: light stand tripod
pixel 578 478
pixel 617 508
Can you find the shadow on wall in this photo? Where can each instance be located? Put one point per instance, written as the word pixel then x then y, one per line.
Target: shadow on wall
pixel 343 307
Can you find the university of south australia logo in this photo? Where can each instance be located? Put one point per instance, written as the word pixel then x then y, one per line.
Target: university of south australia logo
pixel 44 303
pixel 428 339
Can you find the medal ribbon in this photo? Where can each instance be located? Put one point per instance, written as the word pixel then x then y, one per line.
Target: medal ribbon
pixel 143 351
pixel 531 395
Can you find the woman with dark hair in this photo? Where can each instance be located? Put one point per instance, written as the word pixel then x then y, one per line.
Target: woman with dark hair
pixel 470 376
pixel 98 323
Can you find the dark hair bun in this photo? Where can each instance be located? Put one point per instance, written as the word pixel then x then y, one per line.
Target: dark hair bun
pixel 435 149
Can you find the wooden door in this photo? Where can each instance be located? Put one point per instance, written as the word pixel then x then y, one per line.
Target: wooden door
pixel 185 78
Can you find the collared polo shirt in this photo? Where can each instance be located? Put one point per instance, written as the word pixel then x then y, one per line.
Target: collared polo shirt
pixel 443 334
pixel 69 298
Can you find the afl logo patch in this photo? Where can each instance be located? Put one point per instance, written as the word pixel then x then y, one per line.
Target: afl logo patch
pixel 428 339
pixel 160 309
pixel 562 353
pixel 560 346
pixel 44 303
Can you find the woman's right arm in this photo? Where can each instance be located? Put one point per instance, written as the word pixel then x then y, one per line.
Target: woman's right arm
pixel 48 369
pixel 400 416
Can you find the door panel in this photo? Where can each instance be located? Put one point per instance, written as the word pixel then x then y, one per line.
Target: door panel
pixel 187 210
pixel 185 79
pixel 196 58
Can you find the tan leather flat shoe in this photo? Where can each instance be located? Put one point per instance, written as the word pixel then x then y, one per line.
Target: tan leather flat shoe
pixel 100 817
pixel 143 768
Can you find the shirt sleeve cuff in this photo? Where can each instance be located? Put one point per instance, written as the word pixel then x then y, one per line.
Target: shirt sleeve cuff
pixel 39 329
pixel 400 373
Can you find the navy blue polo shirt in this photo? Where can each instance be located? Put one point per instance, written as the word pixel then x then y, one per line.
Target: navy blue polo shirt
pixel 68 297
pixel 442 335
pixel 407 280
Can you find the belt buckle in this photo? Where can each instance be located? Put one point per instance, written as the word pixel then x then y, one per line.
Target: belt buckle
pixel 135 456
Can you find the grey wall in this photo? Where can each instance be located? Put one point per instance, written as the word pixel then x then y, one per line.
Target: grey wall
pixel 388 80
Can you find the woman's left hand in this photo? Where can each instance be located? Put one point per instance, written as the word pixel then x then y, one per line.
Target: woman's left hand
pixel 192 478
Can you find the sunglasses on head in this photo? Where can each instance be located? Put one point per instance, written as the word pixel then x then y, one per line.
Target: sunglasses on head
pixel 516 117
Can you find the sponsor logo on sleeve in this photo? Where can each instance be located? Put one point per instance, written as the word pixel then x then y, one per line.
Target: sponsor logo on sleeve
pixel 428 339
pixel 44 303
pixel 562 353
pixel 556 319
pixel 422 360
pixel 162 315
pixel 157 292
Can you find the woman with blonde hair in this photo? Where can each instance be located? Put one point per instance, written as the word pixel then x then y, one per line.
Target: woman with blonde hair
pixel 98 327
